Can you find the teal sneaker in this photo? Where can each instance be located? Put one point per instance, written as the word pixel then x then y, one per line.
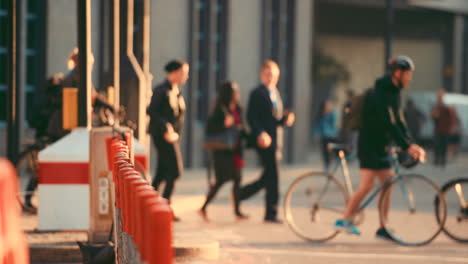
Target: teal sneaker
pixel 347 226
pixel 384 234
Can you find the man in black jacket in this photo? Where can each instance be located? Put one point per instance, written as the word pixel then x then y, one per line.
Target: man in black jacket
pixel 382 124
pixel 266 118
pixel 167 111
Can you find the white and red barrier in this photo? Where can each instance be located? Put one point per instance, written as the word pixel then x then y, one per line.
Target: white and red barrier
pixel 143 219
pixel 64 181
pixel 13 246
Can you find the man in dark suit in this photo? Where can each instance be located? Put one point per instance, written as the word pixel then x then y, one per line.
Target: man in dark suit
pixel 266 119
pixel 167 111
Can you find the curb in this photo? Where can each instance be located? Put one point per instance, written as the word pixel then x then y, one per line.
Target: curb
pixel 195 245
pixel 186 246
pixel 57 253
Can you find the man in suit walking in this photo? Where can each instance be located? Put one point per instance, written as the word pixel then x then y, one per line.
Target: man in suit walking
pixel 266 119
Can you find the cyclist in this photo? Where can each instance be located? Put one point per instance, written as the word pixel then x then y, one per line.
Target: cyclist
pixel 382 125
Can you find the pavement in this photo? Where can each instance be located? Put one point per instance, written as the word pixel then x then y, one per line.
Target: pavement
pixel 252 241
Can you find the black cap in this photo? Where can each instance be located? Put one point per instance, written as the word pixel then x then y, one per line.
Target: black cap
pixel 174 65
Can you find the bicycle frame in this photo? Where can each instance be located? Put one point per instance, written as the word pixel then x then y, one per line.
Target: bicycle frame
pixel 343 165
pixel 408 194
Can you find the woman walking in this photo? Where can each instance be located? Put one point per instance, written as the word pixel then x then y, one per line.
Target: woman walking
pixel 227 163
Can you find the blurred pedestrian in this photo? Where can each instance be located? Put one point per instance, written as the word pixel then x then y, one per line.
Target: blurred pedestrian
pixel 348 136
pixel 228 163
pixel 455 133
pixel 266 119
pixel 415 120
pixel 443 123
pixel 325 128
pixel 167 111
pixel 72 79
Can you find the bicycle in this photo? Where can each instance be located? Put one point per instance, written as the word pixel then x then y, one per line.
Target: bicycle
pixel 316 199
pixel 456 196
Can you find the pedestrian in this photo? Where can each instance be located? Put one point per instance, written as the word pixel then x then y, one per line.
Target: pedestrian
pixel 228 163
pixel 455 133
pixel 72 79
pixel 443 123
pixel 325 128
pixel 382 125
pixel 167 111
pixel 348 136
pixel 415 120
pixel 266 119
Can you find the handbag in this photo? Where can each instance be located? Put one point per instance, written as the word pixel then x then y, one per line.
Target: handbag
pixel 225 140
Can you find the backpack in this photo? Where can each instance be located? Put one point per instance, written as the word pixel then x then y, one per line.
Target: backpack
pixel 353 119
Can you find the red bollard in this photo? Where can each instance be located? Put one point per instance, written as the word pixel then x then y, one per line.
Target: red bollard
pixel 13 245
pixel 146 197
pixel 134 184
pixel 123 168
pixel 142 194
pixel 119 158
pixel 126 205
pixel 159 234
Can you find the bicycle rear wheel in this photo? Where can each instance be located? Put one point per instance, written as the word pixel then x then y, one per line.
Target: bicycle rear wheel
pixel 26 168
pixel 456 196
pixel 312 204
pixel 411 219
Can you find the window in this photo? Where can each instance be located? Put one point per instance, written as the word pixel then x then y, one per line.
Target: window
pixel 3 58
pixel 278 42
pixel 34 53
pixel 208 58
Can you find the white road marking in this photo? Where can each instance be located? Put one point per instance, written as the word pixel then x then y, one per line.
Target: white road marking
pixel 345 255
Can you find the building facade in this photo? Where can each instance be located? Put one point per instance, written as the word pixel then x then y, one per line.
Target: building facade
pixel 229 39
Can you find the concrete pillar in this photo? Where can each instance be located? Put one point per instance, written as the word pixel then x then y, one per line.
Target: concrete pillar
pixel 245 50
pixel 302 77
pixel 169 39
pixel 458 32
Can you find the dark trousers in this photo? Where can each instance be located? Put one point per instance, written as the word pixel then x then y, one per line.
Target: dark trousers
pixel 224 172
pixel 440 149
pixel 326 155
pixel 30 188
pixel 268 180
pixel 169 166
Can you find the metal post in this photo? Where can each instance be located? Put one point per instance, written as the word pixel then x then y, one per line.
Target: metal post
pixel 84 47
pixel 15 89
pixel 194 54
pixel 458 30
pixel 115 51
pixel 388 31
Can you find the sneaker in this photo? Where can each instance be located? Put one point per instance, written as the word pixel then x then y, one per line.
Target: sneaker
pixel 347 226
pixel 382 233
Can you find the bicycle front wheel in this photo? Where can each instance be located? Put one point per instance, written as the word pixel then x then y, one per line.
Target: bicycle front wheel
pixel 312 204
pixel 408 212
pixel 456 196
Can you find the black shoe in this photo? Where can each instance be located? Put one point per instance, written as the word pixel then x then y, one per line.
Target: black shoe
pixel 273 221
pixel 241 216
pixel 29 209
pixel 382 233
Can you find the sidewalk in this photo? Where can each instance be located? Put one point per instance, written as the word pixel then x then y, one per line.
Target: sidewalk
pixel 188 198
